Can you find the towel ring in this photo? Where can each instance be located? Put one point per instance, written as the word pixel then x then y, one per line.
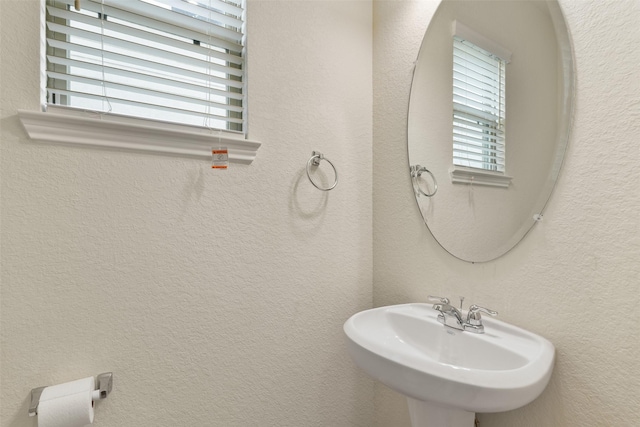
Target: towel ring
pixel 416 172
pixel 315 159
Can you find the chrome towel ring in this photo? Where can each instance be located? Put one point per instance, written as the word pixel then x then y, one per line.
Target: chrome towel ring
pixel 316 158
pixel 416 172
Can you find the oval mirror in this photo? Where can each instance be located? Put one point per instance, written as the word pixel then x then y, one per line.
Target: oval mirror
pixel 489 118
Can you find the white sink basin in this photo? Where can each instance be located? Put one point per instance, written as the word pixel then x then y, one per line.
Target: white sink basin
pixel 406 348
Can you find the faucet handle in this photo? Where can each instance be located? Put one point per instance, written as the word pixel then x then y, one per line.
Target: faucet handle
pixel 474 317
pixel 435 299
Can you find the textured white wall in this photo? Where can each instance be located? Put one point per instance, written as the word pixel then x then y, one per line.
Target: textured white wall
pixel 216 298
pixel 576 278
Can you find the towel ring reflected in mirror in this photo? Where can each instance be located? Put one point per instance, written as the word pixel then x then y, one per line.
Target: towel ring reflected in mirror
pixel 416 172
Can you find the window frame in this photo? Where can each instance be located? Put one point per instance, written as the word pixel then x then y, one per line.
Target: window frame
pixel 66 125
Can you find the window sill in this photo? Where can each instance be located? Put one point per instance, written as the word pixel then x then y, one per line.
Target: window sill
pixel 65 126
pixel 464 175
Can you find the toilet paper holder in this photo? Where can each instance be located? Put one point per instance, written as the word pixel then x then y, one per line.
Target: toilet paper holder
pixel 104 387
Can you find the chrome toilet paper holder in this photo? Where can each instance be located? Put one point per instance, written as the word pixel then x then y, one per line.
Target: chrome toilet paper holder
pixel 104 387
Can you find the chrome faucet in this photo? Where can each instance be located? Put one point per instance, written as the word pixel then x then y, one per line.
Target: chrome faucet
pixel 449 315
pixel 453 318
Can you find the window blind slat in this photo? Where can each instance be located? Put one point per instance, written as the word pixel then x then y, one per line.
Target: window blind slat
pixel 155 16
pixel 150 66
pixel 497 157
pixel 490 140
pixel 488 122
pixel 97 68
pixel 231 7
pixel 161 41
pixel 470 80
pixel 477 145
pixel 228 7
pixel 136 55
pixel 476 55
pixel 479 73
pixel 476 108
pixel 480 155
pixel 483 101
pixel 213 13
pixel 175 19
pixel 478 162
pixel 111 44
pixel 135 91
pixel 472 86
pixel 151 107
pixel 148 24
pixel 464 133
pixel 497 140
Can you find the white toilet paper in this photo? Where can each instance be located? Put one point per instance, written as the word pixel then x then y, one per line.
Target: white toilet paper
pixel 67 405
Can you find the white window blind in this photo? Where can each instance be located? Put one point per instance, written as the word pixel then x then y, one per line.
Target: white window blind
pixel 478 107
pixel 172 60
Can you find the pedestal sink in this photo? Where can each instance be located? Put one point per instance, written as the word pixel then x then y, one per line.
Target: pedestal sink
pixel 448 375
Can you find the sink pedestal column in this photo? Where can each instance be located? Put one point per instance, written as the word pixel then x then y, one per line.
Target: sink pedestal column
pixel 427 414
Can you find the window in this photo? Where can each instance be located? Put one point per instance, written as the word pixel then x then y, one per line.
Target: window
pixel 170 60
pixel 158 76
pixel 478 104
pixel 478 107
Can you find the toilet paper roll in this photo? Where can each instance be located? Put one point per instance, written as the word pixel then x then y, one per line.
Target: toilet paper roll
pixel 67 405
